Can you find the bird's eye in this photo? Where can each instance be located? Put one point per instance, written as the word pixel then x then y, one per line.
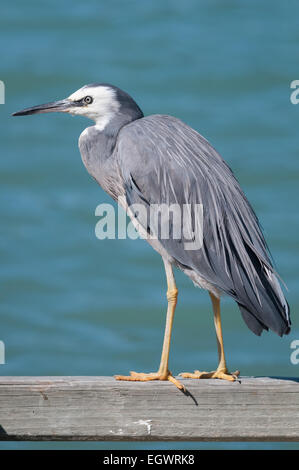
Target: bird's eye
pixel 87 100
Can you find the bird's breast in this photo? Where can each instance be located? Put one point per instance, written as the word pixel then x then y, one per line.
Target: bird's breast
pixel 98 159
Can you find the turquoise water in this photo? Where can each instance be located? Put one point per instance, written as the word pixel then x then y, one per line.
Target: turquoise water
pixel 74 305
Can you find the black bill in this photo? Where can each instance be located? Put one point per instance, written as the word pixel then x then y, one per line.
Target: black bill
pixel 62 106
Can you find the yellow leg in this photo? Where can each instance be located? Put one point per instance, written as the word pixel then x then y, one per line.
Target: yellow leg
pixel 163 372
pixel 221 372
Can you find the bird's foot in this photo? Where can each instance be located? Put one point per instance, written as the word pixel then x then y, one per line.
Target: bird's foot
pixel 141 377
pixel 216 374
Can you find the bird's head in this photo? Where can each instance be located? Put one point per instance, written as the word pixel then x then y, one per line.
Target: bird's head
pixel 99 102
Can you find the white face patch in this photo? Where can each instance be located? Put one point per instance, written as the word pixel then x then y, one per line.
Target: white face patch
pixel 103 107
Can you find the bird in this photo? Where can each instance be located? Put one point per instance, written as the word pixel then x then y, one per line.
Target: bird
pixel 158 159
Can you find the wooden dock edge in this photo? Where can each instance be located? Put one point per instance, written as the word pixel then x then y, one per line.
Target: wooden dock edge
pixel 103 409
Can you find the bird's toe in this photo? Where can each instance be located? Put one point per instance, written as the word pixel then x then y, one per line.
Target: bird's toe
pixel 215 374
pixel 144 377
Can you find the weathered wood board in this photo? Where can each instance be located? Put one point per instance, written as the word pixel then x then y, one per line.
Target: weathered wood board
pixel 103 409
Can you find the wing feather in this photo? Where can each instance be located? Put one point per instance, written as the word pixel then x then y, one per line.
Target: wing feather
pixel 164 161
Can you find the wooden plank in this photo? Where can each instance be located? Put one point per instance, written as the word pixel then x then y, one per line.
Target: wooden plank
pixel 103 409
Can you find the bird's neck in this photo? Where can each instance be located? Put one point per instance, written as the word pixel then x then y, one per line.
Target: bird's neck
pixel 97 146
pixel 109 128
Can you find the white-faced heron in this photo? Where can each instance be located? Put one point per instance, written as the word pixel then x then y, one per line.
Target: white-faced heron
pixel 156 160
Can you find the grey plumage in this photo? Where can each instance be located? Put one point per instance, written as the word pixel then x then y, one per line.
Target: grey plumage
pixel 170 162
pixel 159 159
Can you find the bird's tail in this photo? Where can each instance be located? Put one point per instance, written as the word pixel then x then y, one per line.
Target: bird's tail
pixel 266 308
